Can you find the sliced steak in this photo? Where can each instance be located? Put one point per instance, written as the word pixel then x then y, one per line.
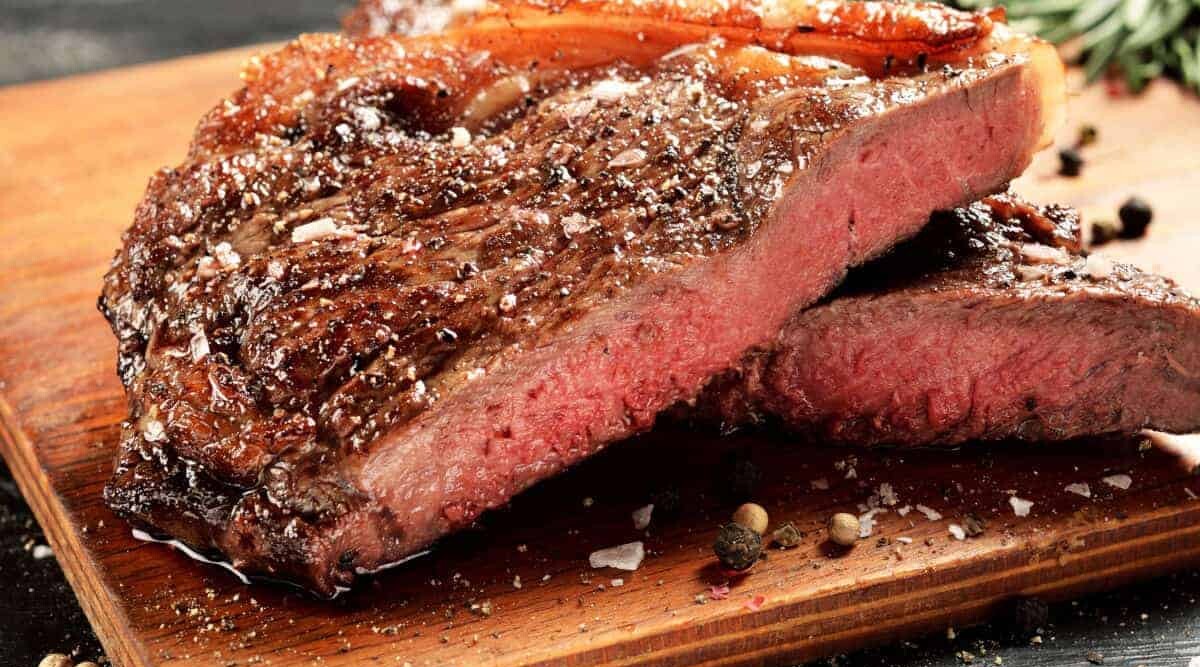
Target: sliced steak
pixel 988 325
pixel 399 280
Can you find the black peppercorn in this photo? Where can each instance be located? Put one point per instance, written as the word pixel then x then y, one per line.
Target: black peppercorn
pixel 1104 231
pixel 1136 215
pixel 1070 162
pixel 737 547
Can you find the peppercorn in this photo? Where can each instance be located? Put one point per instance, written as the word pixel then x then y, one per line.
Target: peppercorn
pixel 1029 616
pixel 752 516
pixel 1070 162
pixel 786 536
pixel 1104 231
pixel 1088 134
pixel 1136 215
pixel 56 660
pixel 737 547
pixel 843 529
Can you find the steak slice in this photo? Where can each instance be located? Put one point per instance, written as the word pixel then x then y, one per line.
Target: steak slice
pixel 988 325
pixel 399 280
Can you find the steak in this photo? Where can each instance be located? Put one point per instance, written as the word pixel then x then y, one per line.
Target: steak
pixel 988 325
pixel 400 279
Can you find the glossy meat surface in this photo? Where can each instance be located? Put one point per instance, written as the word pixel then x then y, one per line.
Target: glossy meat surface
pixel 398 280
pixel 989 325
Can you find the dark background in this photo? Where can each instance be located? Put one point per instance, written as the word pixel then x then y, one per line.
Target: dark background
pixel 1154 625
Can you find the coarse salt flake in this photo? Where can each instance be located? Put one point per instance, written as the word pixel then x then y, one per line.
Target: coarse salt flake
pixel 198 346
pixel 42 552
pixel 1121 482
pixel 1043 254
pixel 1079 489
pixel 459 137
pixel 957 531
pixel 929 512
pixel 622 557
pixel 1020 506
pixel 153 431
pixel 1097 267
pixel 321 228
pixel 628 158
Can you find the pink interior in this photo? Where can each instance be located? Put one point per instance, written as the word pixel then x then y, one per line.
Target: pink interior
pixel 611 373
pixel 953 367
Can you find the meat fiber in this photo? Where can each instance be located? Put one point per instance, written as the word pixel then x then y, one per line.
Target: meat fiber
pixel 399 280
pixel 988 325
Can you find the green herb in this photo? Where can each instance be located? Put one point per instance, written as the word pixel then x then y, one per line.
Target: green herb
pixel 1140 38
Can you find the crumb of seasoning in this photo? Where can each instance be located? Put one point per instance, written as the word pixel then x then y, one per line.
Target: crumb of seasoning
pixel 755 603
pixel 588 502
pixel 517 581
pixel 719 592
pixel 617 583
pixel 957 531
pixel 641 516
pixel 787 536
pixel 1079 489
pixel 622 557
pixel 1088 134
pixel 1095 657
pixel 42 552
pixel 1122 482
pixel 1020 506
pixel 482 608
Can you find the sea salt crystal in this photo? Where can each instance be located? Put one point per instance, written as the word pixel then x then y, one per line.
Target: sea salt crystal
pixel 198 346
pixel 903 511
pixel 1097 267
pixel 475 374
pixel 1121 482
pixel 610 90
pixel 929 512
pixel 42 552
pixel 321 228
pixel 1020 506
pixel 957 531
pixel 508 302
pixel 225 255
pixel 904 540
pixel 628 158
pixel 153 431
pixel 641 517
pixel 577 223
pixel 866 522
pixel 623 557
pixel 1043 254
pixel 1081 489
pixel 617 583
pixel 460 137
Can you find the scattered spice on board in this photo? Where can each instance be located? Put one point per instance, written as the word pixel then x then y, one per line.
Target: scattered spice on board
pixel 844 529
pixel 1122 482
pixel 1020 506
pixel 719 592
pixel 755 603
pixel 752 516
pixel 1079 489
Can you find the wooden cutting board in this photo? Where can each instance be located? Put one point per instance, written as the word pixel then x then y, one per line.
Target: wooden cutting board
pixel 74 155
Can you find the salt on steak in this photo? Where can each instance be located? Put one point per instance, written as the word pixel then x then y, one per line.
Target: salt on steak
pixel 987 325
pixel 398 280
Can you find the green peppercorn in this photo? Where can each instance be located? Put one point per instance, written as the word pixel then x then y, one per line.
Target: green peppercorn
pixel 786 536
pixel 1136 215
pixel 1104 231
pixel 1070 162
pixel 737 547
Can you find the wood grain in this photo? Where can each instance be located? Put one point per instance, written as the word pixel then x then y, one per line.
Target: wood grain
pixel 74 156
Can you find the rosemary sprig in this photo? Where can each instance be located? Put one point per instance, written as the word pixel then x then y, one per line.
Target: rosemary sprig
pixel 1140 38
